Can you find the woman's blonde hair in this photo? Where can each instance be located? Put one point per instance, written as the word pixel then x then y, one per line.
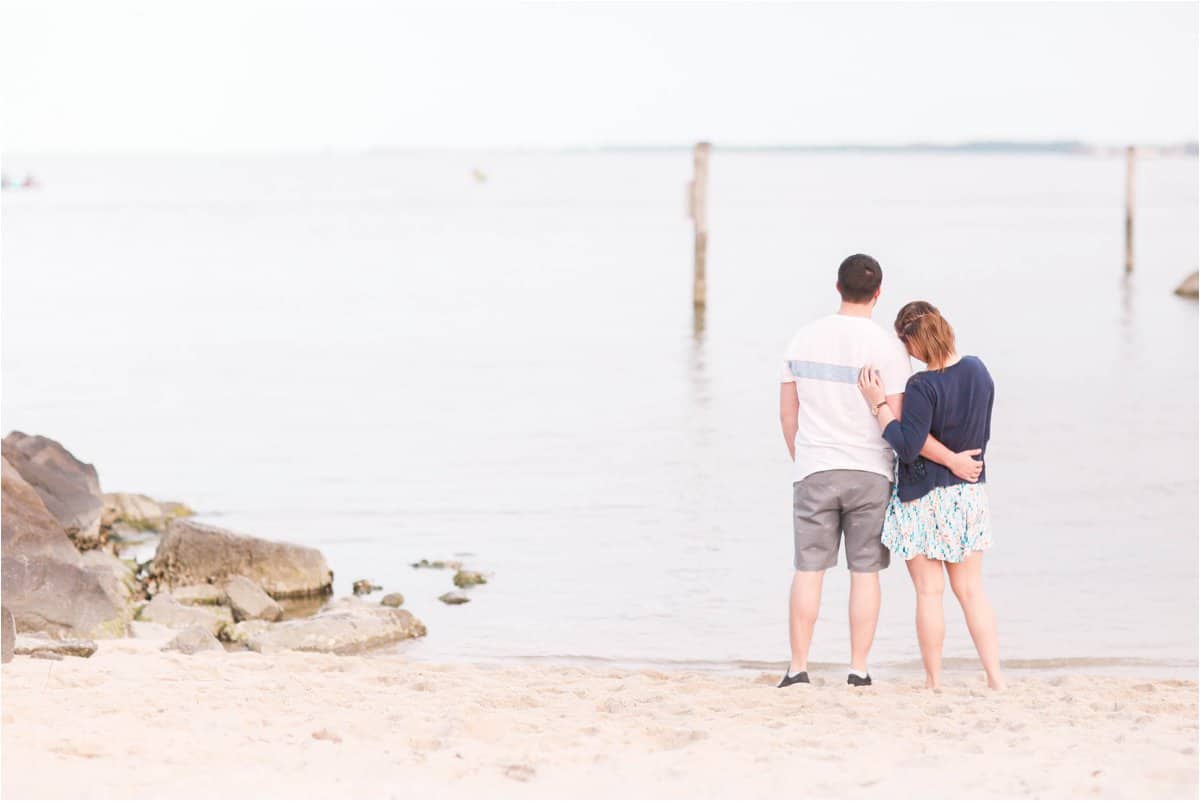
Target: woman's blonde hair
pixel 925 332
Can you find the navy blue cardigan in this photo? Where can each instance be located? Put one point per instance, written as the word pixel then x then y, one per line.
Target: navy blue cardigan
pixel 955 405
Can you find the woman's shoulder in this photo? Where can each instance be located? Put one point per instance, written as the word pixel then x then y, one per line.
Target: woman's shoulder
pixel 978 371
pixel 976 364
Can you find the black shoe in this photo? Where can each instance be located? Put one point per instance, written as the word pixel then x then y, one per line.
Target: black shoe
pixel 857 681
pixel 799 678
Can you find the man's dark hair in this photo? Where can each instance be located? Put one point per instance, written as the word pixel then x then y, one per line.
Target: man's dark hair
pixel 859 278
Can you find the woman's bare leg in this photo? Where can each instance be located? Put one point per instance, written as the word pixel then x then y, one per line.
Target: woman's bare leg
pixel 966 579
pixel 930 584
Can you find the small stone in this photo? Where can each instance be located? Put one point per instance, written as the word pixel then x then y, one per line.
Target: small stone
pixel 468 578
pixel 438 564
pixel 392 599
pixel 454 598
pixel 365 587
pixel 192 640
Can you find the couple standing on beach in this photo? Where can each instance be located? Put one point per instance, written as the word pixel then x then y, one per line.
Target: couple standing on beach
pixel 886 459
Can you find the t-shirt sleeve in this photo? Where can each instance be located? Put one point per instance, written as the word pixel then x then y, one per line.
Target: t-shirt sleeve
pixel 785 372
pixel 785 365
pixel 896 368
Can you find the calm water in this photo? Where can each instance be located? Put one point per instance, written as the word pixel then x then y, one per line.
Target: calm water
pixel 382 357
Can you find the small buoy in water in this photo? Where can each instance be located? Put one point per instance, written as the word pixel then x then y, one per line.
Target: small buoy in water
pixel 1190 288
pixel 479 175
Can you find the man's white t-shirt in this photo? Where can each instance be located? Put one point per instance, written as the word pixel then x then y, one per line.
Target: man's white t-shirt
pixel 836 430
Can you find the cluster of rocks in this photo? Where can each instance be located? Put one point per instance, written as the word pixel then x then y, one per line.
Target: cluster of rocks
pixel 65 583
pixel 462 579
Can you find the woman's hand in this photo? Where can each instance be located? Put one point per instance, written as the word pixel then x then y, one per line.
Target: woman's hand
pixel 871 386
pixel 964 465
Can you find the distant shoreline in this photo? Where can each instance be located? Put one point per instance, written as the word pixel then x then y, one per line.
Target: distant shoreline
pixel 1068 147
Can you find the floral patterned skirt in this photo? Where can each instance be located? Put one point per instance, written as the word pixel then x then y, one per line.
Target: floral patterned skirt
pixel 947 524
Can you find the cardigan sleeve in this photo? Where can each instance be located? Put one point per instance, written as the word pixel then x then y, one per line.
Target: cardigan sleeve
pixel 908 434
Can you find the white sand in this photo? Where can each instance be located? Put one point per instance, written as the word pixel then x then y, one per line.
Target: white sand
pixel 134 723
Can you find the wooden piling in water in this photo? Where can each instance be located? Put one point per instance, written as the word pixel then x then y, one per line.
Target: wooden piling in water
pixel 1130 162
pixel 698 204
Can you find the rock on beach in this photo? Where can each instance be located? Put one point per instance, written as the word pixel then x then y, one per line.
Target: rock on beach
pixel 41 646
pixel 349 626
pixel 249 602
pixel 192 640
pixel 166 611
pixel 69 488
pixel 196 553
pixel 46 583
pixel 8 634
pixel 468 578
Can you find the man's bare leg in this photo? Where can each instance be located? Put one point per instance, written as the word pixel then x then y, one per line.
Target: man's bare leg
pixel 803 607
pixel 864 617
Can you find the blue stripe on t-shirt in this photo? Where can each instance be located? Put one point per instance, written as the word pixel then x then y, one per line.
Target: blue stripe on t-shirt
pixel 823 372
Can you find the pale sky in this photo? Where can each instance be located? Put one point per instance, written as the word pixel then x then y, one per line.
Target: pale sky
pixel 209 76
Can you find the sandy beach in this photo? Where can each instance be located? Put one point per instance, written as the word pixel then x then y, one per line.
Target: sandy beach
pixel 134 722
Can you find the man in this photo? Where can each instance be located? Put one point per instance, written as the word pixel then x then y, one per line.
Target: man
pixel 842 468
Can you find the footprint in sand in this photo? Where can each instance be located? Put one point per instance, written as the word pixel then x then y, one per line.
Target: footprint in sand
pixel 519 773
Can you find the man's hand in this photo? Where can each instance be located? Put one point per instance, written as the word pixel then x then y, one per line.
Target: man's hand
pixel 964 465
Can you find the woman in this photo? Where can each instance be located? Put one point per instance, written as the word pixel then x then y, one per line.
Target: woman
pixel 936 518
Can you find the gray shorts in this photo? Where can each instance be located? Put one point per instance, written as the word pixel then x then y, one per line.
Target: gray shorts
pixel 826 504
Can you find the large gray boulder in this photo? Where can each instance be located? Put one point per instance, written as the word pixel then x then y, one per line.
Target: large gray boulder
pixel 69 488
pixel 345 628
pixel 166 611
pixel 249 602
pixel 28 527
pixel 45 584
pixel 62 599
pixel 196 553
pixel 8 634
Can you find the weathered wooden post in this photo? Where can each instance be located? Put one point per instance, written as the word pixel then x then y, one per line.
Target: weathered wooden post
pixel 698 206
pixel 1130 161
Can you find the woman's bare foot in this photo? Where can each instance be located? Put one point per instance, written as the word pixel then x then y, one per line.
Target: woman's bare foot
pixel 932 682
pixel 996 683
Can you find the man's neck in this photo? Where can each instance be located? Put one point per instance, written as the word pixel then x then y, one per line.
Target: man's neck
pixel 856 309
